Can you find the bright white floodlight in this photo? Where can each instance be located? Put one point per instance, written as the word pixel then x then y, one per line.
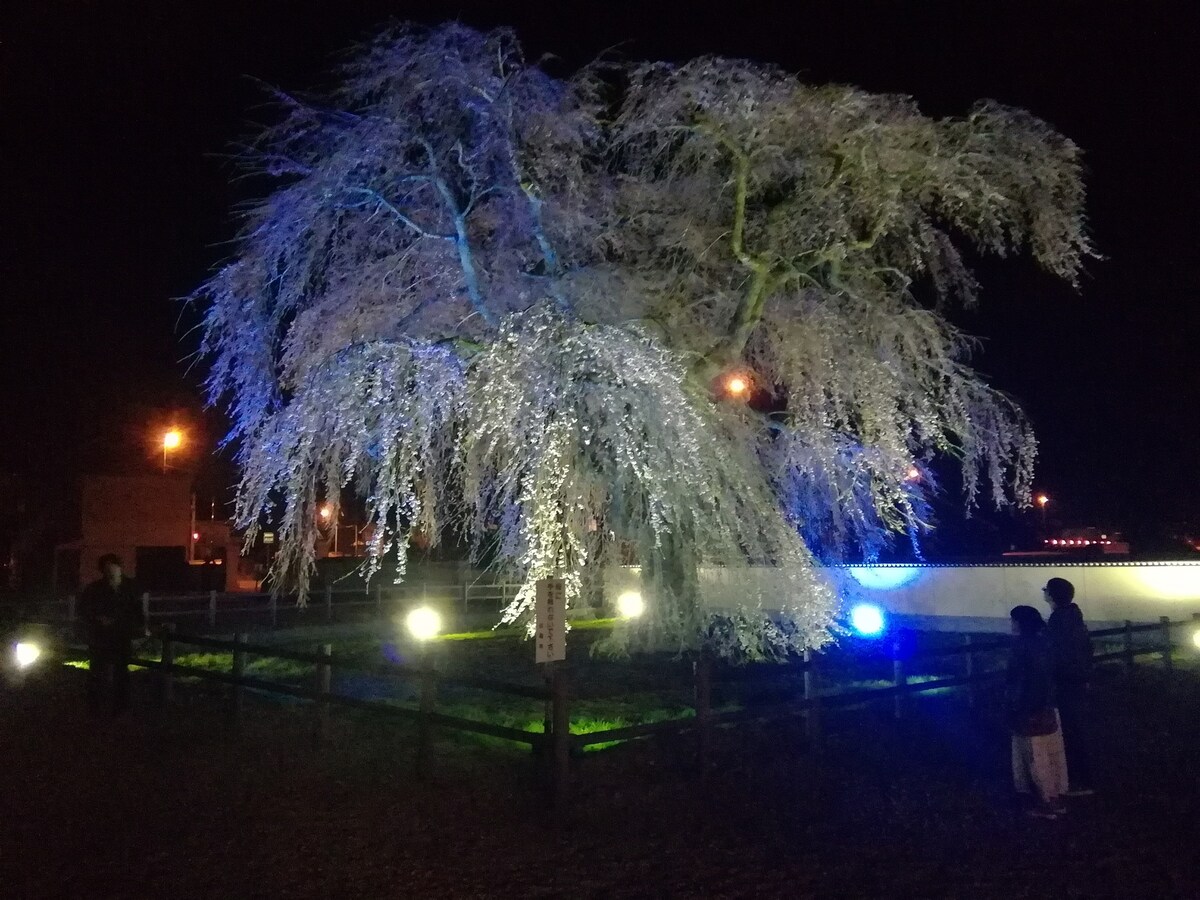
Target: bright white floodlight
pixel 630 605
pixel 423 623
pixel 26 654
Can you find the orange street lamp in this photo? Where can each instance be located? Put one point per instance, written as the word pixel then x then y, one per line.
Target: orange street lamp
pixel 914 474
pixel 1042 500
pixel 172 440
pixel 736 386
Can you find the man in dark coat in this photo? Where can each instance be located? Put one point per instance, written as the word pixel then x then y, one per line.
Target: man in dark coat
pixel 1072 649
pixel 111 613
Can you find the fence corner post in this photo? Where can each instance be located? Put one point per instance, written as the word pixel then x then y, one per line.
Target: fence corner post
pixel 702 690
pixel 1129 660
pixel 969 673
pixel 238 696
pixel 146 608
pixel 212 609
pixel 323 678
pixel 1168 662
pixel 812 696
pixel 166 683
pixel 426 705
pixel 560 732
pixel 898 678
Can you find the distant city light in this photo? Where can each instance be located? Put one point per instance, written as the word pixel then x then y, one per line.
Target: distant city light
pixel 630 605
pixel 195 535
pixel 867 619
pixel 423 623
pixel 26 654
pixel 1042 500
pixel 172 439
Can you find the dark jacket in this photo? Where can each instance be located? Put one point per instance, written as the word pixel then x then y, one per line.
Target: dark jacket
pixel 1070 645
pixel 1030 678
pixel 120 608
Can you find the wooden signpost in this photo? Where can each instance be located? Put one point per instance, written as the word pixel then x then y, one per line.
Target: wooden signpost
pixel 551 609
pixel 551 641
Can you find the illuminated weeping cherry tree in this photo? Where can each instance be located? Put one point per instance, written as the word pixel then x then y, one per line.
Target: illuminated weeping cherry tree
pixel 502 304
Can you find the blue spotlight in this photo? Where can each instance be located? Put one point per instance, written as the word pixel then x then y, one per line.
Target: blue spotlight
pixel 867 619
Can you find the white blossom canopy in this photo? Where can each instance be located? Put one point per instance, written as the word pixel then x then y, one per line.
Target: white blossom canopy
pixel 503 303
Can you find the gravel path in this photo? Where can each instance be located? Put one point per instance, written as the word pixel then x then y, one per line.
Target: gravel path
pixel 140 808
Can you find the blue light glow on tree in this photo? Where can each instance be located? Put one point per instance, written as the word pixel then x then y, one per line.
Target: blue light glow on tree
pixel 500 302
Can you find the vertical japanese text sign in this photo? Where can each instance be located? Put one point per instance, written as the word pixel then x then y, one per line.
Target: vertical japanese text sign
pixel 551 620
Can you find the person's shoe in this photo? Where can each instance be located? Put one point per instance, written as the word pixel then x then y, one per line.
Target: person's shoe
pixel 1079 792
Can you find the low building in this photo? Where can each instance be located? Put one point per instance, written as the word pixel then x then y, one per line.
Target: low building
pixel 147 520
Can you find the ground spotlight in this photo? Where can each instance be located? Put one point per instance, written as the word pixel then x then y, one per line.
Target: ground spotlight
pixel 424 623
pixel 867 620
pixel 26 654
pixel 630 605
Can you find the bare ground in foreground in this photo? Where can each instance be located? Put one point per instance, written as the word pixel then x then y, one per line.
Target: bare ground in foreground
pixel 179 808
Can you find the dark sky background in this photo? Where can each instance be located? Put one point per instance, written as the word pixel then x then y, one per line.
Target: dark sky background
pixel 116 197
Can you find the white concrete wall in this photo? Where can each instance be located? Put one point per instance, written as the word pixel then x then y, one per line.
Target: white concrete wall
pixel 974 596
pixel 979 597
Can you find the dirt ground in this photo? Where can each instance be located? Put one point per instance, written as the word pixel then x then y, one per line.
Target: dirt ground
pixel 179 807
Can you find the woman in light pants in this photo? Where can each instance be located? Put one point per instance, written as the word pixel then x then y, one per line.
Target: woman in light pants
pixel 1039 765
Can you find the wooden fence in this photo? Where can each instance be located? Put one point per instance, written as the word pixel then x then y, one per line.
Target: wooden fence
pixel 556 743
pixel 213 609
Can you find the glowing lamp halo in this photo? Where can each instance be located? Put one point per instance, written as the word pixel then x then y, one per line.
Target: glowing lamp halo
pixel 867 619
pixel 630 605
pixel 424 623
pixel 26 653
pixel 1196 638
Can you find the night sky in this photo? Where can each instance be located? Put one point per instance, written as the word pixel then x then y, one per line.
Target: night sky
pixel 118 118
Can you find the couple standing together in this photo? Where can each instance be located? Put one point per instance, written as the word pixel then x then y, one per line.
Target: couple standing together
pixel 1048 675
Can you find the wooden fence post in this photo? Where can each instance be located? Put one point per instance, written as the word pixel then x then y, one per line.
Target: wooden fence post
pixel 146 609
pixel 238 697
pixel 898 678
pixel 166 676
pixel 812 691
pixel 561 734
pixel 329 603
pixel 466 596
pixel 70 607
pixel 1129 648
pixel 702 678
pixel 1168 662
pixel 969 658
pixel 322 682
pixel 427 704
pixel 212 609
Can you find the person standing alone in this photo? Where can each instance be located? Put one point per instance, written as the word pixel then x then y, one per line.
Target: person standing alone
pixel 112 616
pixel 1072 650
